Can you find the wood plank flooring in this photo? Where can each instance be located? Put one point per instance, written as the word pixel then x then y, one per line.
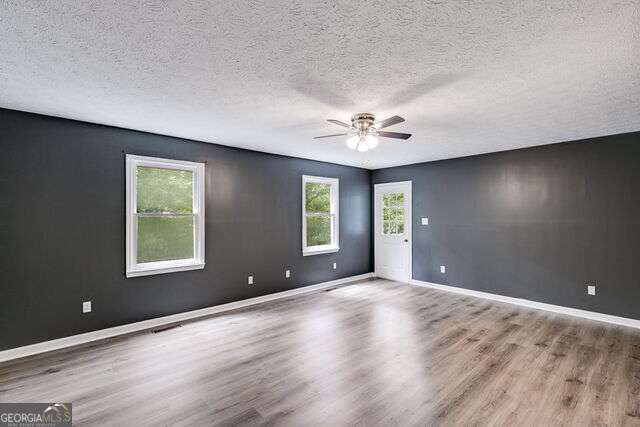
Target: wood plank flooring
pixel 370 353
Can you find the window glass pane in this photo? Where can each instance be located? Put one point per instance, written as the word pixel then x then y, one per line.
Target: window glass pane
pixel 386 214
pixel 317 197
pixel 165 238
pixel 318 230
pixel 398 214
pixel 393 214
pixel 392 227
pixel 393 199
pixel 164 190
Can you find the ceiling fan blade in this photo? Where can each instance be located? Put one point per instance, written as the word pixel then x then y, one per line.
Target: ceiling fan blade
pixel 339 123
pixel 389 122
pixel 397 135
pixel 330 136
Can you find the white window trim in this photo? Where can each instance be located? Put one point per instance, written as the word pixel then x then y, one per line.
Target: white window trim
pixel 197 262
pixel 335 212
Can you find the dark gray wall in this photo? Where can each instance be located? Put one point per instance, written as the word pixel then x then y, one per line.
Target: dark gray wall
pixel 538 223
pixel 62 229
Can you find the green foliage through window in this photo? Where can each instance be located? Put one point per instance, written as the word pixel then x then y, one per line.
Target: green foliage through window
pixel 393 213
pixel 165 238
pixel 318 213
pixel 164 190
pixel 318 230
pixel 318 197
pixel 161 193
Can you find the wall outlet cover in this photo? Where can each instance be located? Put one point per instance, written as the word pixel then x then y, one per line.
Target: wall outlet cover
pixel 424 221
pixel 287 273
pixel 443 269
pixel 591 290
pixel 335 265
pixel 86 307
pixel 250 280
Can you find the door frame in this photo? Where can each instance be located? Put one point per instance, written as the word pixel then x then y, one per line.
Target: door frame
pixel 409 223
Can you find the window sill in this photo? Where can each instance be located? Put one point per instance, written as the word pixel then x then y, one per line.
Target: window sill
pixel 320 250
pixel 162 268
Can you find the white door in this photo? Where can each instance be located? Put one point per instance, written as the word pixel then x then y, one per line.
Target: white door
pixel 392 228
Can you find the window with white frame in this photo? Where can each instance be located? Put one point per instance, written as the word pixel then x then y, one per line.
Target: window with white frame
pixel 165 215
pixel 319 215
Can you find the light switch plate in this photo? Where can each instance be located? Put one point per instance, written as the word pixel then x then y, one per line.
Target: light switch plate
pixel 86 307
pixel 424 221
pixel 591 290
pixel 443 269
pixel 250 280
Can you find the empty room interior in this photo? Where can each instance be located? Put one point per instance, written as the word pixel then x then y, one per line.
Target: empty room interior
pixel 221 213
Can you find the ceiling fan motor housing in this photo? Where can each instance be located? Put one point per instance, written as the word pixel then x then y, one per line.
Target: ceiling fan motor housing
pixel 362 121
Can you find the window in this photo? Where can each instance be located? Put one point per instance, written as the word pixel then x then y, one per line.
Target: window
pixel 393 213
pixel 165 215
pixel 319 215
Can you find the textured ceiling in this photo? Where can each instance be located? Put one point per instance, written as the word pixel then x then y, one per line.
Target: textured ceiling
pixel 469 76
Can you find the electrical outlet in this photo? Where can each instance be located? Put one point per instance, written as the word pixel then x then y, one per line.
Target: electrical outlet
pixel 443 269
pixel 335 265
pixel 591 290
pixel 287 273
pixel 86 307
pixel 424 221
pixel 250 280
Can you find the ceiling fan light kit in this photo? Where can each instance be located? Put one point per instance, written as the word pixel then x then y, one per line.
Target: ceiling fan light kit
pixel 364 131
pixel 362 143
pixel 353 141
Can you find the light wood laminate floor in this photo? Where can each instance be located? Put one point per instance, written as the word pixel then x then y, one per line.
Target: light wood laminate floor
pixel 371 353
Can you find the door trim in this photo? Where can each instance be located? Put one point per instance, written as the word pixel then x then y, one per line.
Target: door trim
pixel 409 223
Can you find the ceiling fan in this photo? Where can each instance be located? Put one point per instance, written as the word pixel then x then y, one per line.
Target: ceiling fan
pixel 364 131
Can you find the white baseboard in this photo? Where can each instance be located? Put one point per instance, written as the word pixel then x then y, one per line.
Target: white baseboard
pixel 74 340
pixel 592 315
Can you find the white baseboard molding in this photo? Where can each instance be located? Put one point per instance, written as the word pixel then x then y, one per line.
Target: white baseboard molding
pixel 75 340
pixel 591 315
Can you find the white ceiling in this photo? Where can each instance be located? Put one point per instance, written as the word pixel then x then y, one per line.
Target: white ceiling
pixel 469 76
